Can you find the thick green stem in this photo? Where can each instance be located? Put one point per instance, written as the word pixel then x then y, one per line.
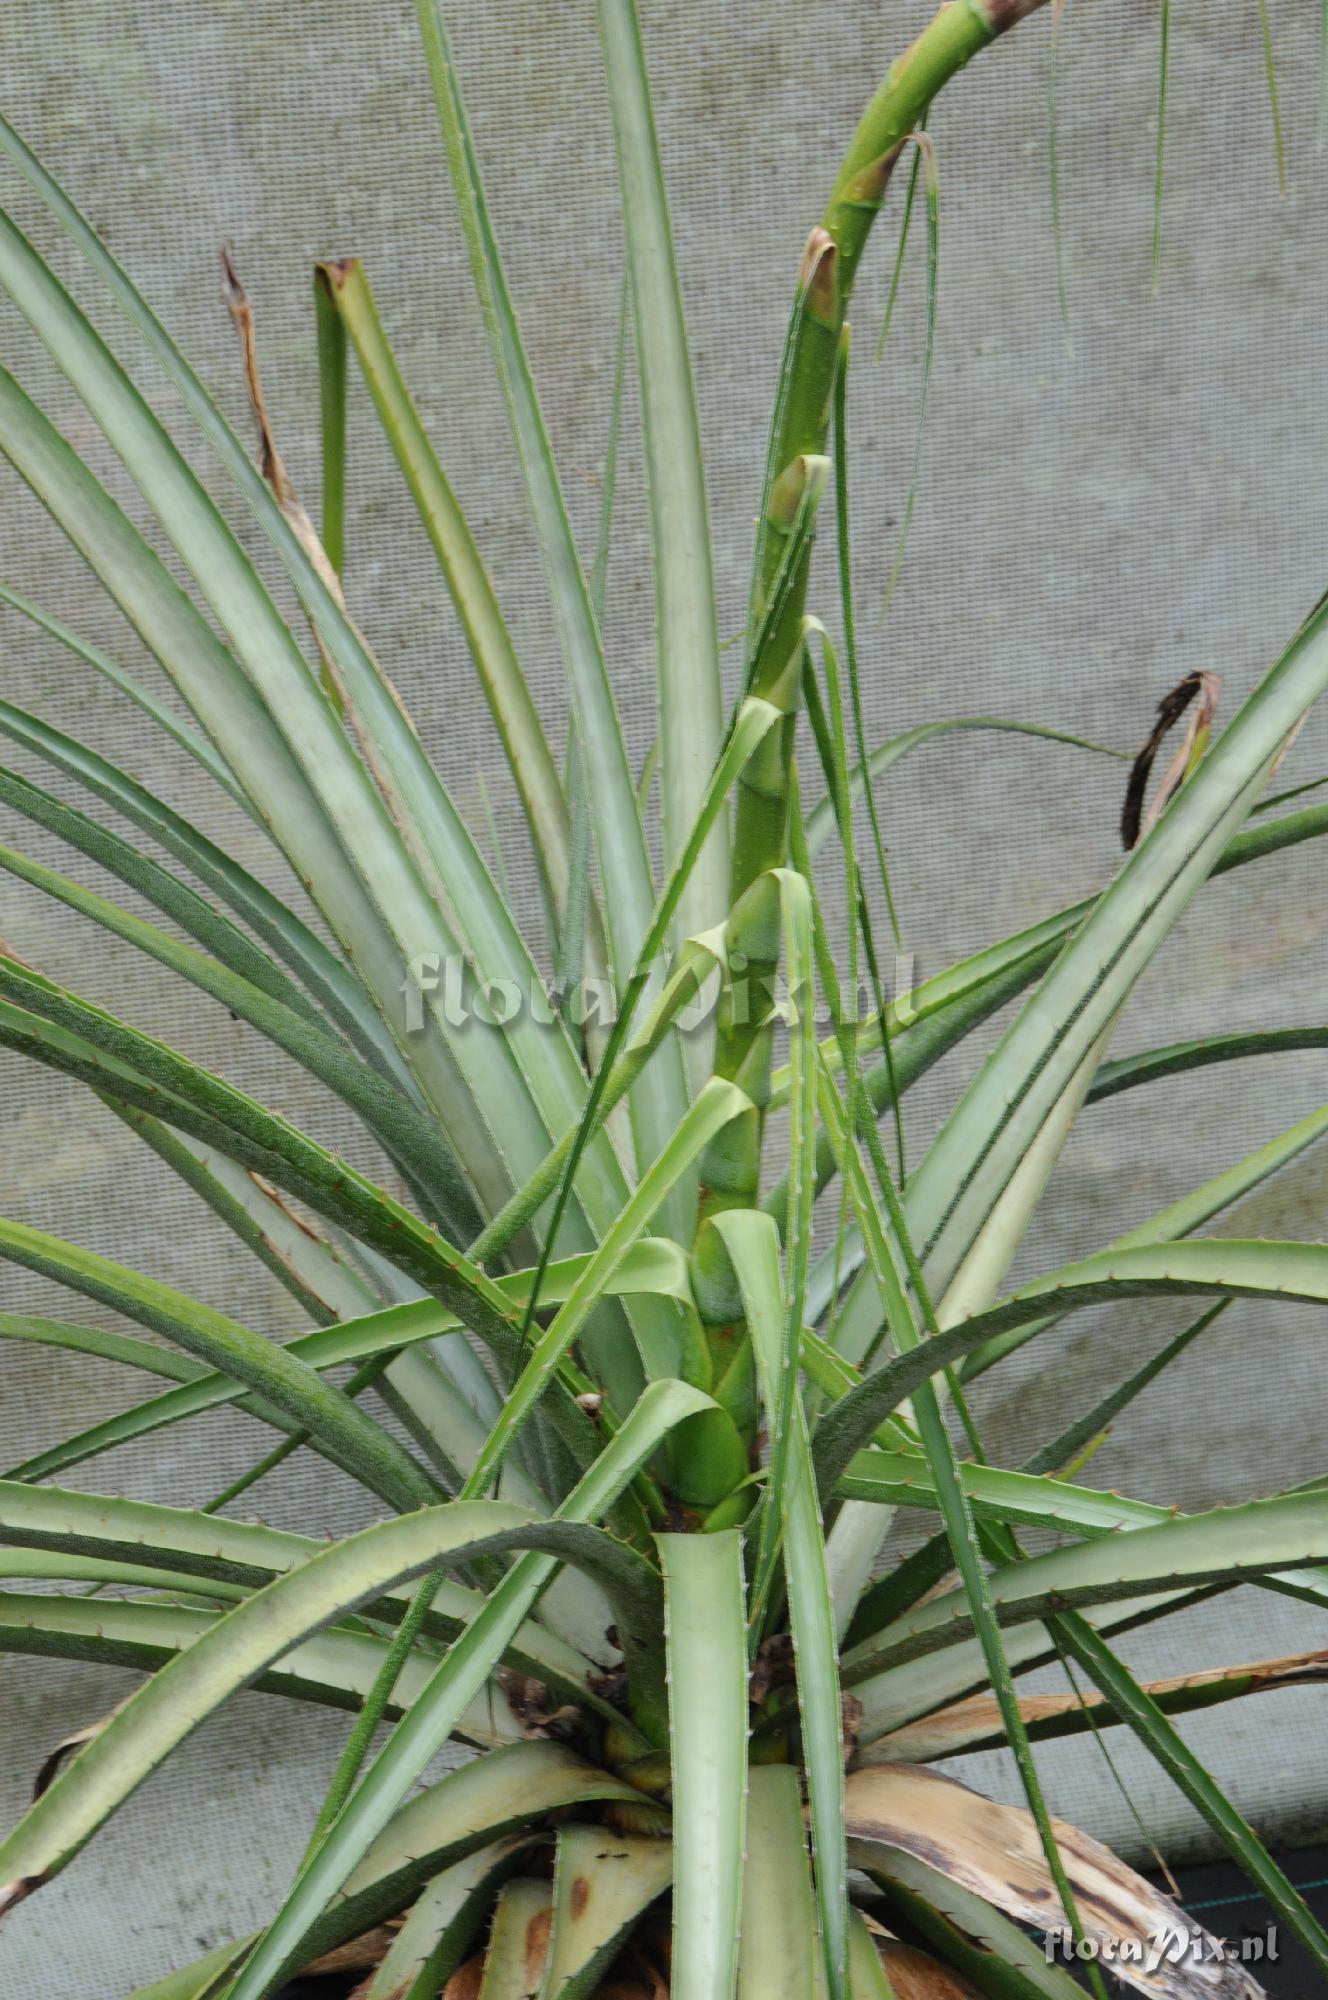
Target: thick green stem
pixel 730 1170
pixel 803 408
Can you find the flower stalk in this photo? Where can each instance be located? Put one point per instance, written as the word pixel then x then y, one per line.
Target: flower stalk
pixel 794 474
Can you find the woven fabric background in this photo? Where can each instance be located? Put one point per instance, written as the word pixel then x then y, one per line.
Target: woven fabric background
pixel 1091 525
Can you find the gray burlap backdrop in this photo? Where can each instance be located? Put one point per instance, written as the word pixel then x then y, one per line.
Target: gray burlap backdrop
pixel 1091 525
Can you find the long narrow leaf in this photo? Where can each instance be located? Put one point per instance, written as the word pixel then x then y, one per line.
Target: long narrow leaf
pixel 187 737
pixel 259 1631
pixel 969 1164
pixel 436 1711
pixel 272 1372
pixel 624 863
pixel 655 1267
pixel 892 1594
pixel 334 1669
pixel 1226 1268
pixel 248 1554
pixel 707 1650
pixel 1182 1218
pixel 779 1365
pixel 718 1103
pixel 277 781
pixel 862 777
pixel 409 1137
pixel 753 1244
pixel 346 288
pixel 86 1042
pixel 690 706
pixel 215 933
pixel 622 1062
pixel 943 1463
pixel 331 339
pixel 320 971
pixel 777 1950
pixel 1176 1058
pixel 413 881
pixel 1256 1538
pixel 1164 1742
pixel 975 1724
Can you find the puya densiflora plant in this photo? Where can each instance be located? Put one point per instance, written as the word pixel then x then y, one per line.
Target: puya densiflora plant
pixel 634 1546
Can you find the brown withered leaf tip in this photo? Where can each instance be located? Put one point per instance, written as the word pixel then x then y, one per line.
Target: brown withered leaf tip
pixel 1170 709
pixel 240 310
pixel 50 1765
pixel 270 461
pixel 7 951
pixel 14 1893
pixel 976 1723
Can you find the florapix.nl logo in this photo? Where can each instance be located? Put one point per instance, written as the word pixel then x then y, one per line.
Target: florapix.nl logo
pixel 1183 1944
pixel 449 987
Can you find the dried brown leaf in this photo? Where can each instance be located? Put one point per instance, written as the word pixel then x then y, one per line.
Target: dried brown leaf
pixel 975 1724
pixel 994 1852
pixel 362 1954
pixel 915 1976
pixel 466 1981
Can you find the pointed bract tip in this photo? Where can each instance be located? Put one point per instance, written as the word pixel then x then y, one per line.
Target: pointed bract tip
pixel 868 185
pixel 816 274
pixel 787 491
pixel 1002 15
pixel 336 270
